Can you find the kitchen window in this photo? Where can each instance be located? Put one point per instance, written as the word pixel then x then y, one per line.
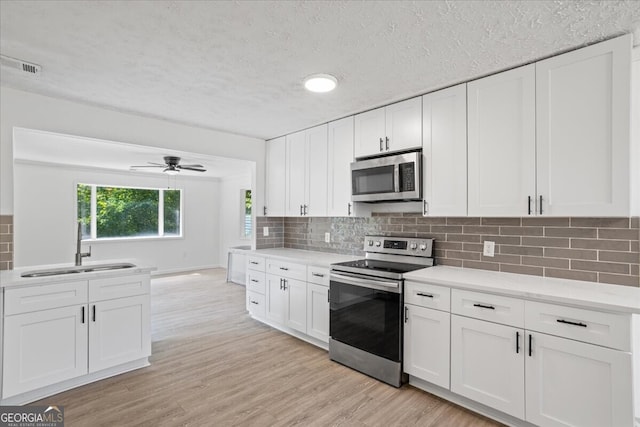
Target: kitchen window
pixel 111 212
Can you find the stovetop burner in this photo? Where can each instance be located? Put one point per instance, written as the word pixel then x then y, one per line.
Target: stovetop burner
pixel 384 266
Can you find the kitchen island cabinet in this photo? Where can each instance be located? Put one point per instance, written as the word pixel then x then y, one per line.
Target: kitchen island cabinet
pixel 60 334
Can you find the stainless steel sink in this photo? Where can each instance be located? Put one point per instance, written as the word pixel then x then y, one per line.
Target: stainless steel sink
pixel 78 269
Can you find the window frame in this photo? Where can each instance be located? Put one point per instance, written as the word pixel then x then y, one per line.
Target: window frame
pixel 94 222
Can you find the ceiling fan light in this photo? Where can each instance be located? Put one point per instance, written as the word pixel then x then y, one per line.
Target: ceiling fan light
pixel 171 171
pixel 320 83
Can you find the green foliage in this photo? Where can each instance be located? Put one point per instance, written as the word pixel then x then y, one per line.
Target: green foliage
pixel 247 202
pixel 172 212
pixel 125 212
pixel 84 209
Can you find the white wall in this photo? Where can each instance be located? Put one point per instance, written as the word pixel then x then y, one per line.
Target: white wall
pixel 231 220
pixel 45 227
pixel 28 110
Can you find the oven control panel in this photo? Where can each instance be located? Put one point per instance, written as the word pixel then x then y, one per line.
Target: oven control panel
pixel 399 245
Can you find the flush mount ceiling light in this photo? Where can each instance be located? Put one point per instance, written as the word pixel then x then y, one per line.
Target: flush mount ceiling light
pixel 320 83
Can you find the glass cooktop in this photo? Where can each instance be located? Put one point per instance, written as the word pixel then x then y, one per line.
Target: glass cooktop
pixel 375 267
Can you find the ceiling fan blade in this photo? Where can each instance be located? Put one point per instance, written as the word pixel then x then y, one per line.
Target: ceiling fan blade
pixel 148 166
pixel 156 164
pixel 190 168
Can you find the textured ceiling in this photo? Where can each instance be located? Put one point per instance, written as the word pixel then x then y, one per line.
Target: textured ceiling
pixel 238 66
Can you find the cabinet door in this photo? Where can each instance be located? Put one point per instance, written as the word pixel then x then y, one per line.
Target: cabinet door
pixel 369 133
pixel 570 383
pixel 318 311
pixel 316 169
pixel 502 151
pixel 44 348
pixel 487 364
pixel 404 125
pixel 276 167
pixel 583 127
pixel 296 294
pixel 339 175
pixel 444 146
pixel 119 331
pixel 426 344
pixel 296 165
pixel 275 307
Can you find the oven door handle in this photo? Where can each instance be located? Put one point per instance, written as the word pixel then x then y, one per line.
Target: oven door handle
pixel 367 283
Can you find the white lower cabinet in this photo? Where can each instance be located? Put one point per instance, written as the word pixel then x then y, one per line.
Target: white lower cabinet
pixel 43 348
pixel 426 344
pixel 318 311
pixel 487 364
pixel 287 302
pixel 119 331
pixel 570 383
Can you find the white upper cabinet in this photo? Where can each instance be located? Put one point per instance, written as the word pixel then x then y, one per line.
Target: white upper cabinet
pixel 444 145
pixel 340 156
pixel 295 173
pixel 582 114
pixel 306 172
pixel 276 167
pixel 396 127
pixel 501 143
pixel 316 171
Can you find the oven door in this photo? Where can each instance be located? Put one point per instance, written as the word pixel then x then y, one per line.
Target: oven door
pixel 366 313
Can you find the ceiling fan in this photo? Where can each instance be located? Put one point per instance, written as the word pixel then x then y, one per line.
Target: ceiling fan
pixel 172 166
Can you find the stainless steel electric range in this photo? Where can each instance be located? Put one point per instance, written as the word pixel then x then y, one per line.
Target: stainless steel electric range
pixel 366 302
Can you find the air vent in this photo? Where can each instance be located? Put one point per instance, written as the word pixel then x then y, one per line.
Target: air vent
pixel 19 64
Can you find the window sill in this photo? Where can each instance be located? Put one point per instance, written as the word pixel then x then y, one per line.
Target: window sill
pixel 131 239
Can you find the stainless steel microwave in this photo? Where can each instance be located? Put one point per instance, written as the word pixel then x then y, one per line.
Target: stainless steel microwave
pixel 389 178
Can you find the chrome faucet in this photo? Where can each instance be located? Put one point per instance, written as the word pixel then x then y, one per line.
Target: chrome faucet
pixel 79 253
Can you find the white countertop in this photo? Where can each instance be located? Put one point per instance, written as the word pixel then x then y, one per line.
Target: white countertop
pixel 11 278
pixel 600 296
pixel 320 259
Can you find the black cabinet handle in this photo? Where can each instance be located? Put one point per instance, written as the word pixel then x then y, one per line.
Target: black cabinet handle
pixel 540 205
pixel 284 268
pixel 406 314
pixel 94 313
pixel 281 283
pixel 301 210
pixel 530 344
pixel 254 280
pixel 317 274
pixel 529 205
pixel 284 284
pixel 82 319
pixel 568 322
pixel 517 342
pixel 348 209
pixel 253 262
pixel 386 138
pixel 264 210
pixel 254 302
pixel 329 295
pixel 305 209
pixel 490 307
pixel 420 294
pixel 381 147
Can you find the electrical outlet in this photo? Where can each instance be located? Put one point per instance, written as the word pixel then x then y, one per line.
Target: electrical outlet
pixel 265 231
pixel 327 237
pixel 489 248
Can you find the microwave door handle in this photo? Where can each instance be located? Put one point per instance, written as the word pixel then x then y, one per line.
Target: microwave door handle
pixel 396 178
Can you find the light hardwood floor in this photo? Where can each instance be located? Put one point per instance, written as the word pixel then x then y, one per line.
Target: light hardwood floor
pixel 212 365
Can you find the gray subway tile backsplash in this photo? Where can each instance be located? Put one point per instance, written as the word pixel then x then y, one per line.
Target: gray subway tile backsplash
pixel 598 249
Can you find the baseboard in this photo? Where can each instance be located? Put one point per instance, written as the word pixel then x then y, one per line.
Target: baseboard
pixel 304 337
pixel 41 393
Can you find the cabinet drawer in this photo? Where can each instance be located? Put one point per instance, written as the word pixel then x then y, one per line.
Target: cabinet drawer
pixel 255 263
pixel 36 298
pixel 256 304
pixel 118 287
pixel 255 281
pixel 318 275
pixel 287 269
pixel 493 308
pixel 430 296
pixel 596 327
